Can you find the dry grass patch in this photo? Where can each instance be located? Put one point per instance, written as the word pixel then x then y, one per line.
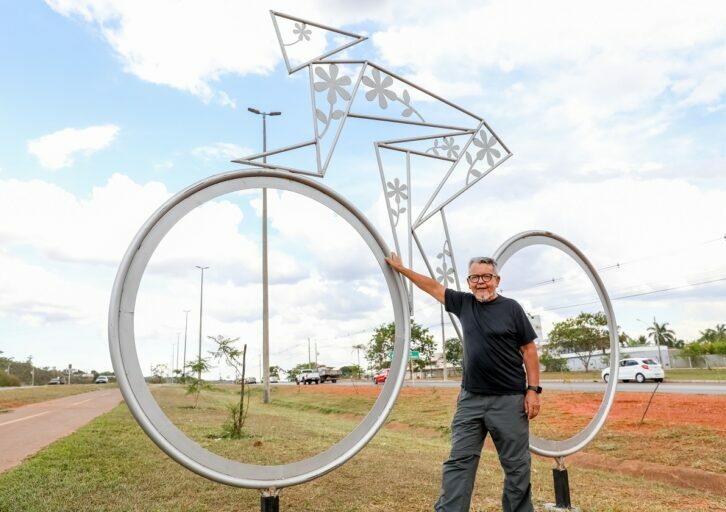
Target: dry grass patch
pixel 110 465
pixel 18 397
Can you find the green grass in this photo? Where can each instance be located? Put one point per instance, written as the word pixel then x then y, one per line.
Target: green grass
pixel 110 464
pixel 17 397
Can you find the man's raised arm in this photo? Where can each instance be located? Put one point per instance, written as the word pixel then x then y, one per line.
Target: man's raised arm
pixel 430 286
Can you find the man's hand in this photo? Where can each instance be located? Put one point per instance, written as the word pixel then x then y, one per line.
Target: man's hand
pixel 430 286
pixel 531 404
pixel 394 260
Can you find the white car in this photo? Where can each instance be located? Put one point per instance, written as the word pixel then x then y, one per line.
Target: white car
pixel 638 369
pixel 101 379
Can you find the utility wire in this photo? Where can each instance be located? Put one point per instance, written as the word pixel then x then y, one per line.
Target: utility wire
pixel 630 296
pixel 619 265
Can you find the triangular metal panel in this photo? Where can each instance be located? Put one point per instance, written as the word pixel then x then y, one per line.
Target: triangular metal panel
pixel 301 33
pixel 481 154
pixel 332 87
pixel 386 96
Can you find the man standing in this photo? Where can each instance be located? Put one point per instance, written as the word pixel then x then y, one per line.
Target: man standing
pixel 496 397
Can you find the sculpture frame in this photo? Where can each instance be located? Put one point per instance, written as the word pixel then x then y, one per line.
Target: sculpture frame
pixel 122 345
pixel 547 447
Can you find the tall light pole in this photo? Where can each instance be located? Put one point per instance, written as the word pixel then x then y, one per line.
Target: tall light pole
pixel 184 362
pixel 201 303
pixel 176 367
pixel 265 306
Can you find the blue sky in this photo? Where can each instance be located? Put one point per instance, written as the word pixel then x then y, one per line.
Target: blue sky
pixel 617 125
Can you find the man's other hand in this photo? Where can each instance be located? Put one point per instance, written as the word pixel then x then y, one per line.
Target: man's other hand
pixel 531 404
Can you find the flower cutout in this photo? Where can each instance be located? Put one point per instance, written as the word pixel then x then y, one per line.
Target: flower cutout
pixel 378 86
pixel 332 83
pixel 452 150
pixel 444 274
pixel 487 147
pixel 301 31
pixel 397 190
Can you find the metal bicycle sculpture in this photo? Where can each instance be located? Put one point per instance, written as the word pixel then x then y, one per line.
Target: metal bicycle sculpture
pixel 341 90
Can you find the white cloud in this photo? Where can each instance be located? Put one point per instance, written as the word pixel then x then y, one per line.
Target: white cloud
pixel 57 150
pixel 221 151
pixel 76 244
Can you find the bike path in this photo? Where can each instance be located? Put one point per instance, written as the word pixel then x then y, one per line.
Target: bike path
pixel 26 430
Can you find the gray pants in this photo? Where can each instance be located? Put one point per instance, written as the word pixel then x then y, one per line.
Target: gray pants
pixel 504 418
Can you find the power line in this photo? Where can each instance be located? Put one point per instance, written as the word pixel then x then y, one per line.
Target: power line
pixel 619 265
pixel 630 296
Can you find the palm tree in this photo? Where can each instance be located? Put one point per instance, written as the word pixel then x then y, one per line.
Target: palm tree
pixel 661 335
pixel 359 347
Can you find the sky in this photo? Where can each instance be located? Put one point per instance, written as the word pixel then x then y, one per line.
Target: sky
pixel 615 114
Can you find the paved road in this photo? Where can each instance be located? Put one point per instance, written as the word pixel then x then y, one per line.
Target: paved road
pixel 26 430
pixel 687 388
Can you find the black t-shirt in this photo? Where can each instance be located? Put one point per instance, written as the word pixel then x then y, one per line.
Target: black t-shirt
pixel 493 333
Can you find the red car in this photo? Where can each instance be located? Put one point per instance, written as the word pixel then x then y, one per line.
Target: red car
pixel 381 376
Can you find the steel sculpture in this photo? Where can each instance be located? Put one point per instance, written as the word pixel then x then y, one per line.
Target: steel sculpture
pixel 126 363
pixel 468 150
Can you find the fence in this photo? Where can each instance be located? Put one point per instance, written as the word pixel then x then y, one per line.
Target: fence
pixel 708 361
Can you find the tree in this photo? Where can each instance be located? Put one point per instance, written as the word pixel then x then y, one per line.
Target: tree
pixel 275 371
pixel 661 335
pixel 382 342
pixel 358 348
pixel 194 380
pixel 454 352
pixel 350 371
pixel 237 359
pixel 582 335
pixel 157 373
pixel 719 333
pixel 552 363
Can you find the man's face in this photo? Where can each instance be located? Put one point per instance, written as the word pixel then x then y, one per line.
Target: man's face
pixel 483 291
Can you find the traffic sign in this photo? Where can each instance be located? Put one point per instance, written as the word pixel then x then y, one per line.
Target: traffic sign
pixel 414 354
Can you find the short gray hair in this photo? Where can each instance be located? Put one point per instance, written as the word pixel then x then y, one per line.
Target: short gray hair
pixel 483 259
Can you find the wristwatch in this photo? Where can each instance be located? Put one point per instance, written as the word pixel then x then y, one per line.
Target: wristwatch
pixel 536 389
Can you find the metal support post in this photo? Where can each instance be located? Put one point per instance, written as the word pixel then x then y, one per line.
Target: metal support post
pixel 270 500
pixel 562 488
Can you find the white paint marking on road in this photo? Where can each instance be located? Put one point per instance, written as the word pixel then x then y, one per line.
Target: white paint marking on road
pixel 82 402
pixel 23 419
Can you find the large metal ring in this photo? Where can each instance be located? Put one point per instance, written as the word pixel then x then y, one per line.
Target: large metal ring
pixel 546 447
pixel 126 363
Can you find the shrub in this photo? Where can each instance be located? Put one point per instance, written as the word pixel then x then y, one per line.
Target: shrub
pixel 8 380
pixel 552 363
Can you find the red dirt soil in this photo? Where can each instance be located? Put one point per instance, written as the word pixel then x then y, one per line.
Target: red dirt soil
pixel 575 409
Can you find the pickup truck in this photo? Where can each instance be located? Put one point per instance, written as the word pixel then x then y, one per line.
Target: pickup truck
pixel 308 377
pixel 328 374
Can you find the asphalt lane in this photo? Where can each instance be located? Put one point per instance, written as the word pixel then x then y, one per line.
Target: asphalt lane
pixel 26 430
pixel 685 388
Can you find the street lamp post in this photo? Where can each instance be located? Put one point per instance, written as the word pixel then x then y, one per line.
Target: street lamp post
pixel 176 366
pixel 184 361
pixel 201 303
pixel 265 303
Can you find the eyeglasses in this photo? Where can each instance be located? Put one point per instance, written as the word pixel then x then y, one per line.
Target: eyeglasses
pixel 481 278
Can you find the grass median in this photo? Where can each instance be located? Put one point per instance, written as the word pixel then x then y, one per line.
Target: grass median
pixel 18 397
pixel 110 465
